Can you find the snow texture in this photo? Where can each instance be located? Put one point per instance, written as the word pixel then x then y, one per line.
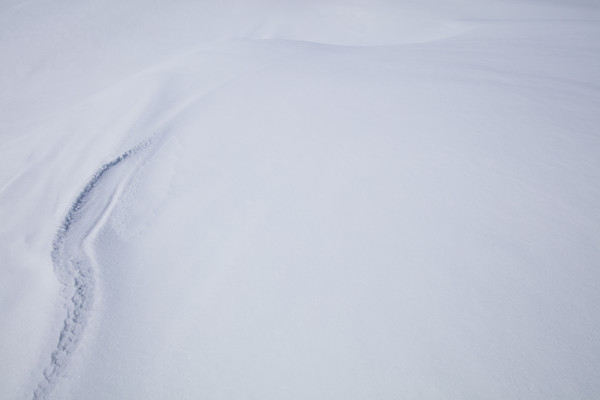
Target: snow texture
pixel 317 199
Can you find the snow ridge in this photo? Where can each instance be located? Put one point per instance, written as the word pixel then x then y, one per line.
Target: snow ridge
pixel 74 270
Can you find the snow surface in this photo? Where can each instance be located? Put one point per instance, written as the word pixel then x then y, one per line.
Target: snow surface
pixel 300 199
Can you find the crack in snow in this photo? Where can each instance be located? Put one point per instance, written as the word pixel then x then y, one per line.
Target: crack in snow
pixel 74 270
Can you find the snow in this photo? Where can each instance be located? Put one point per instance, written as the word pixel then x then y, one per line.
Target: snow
pixel 326 199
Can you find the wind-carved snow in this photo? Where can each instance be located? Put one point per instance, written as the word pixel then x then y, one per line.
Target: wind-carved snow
pixel 74 269
pixel 392 199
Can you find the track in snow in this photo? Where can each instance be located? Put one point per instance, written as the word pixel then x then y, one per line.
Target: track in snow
pixel 74 269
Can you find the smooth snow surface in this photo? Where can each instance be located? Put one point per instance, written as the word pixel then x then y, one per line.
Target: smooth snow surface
pixel 300 199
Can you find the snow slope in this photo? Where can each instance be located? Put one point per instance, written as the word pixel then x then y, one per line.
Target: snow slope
pixel 300 199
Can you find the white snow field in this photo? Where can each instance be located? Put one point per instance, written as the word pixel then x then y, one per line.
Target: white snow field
pixel 302 199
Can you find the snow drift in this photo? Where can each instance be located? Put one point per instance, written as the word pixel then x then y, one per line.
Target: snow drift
pixel 334 199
